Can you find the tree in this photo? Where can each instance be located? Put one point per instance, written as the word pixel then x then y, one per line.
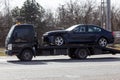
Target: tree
pixel 78 13
pixel 32 11
pixel 16 14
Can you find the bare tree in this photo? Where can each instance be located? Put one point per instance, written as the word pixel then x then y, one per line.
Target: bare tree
pixel 78 13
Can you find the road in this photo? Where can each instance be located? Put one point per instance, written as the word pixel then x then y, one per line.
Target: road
pixel 100 67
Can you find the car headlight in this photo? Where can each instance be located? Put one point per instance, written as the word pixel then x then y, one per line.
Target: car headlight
pixel 9 46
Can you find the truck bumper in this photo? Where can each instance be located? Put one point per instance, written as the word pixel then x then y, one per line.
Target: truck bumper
pixel 11 52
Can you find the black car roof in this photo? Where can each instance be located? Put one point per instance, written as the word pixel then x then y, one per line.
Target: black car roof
pixel 89 25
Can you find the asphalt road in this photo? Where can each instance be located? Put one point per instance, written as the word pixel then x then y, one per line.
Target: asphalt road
pixel 100 67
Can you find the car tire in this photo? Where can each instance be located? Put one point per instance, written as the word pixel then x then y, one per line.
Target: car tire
pixel 81 53
pixel 58 40
pixel 102 42
pixel 26 55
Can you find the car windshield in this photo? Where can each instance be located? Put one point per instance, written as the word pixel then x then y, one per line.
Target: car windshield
pixel 71 28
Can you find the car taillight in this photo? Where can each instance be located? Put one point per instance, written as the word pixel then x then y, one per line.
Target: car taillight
pixel 113 34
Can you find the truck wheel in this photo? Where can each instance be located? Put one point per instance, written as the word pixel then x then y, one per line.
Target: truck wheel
pixel 72 56
pixel 81 53
pixel 58 41
pixel 19 57
pixel 26 55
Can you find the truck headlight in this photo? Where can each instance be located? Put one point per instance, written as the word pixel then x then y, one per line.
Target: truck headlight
pixel 9 46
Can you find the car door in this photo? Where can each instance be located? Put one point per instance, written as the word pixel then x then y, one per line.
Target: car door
pixel 78 34
pixel 93 33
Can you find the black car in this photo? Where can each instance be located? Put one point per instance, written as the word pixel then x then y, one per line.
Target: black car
pixel 79 34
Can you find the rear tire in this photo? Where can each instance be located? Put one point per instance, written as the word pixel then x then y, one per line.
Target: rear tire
pixel 72 54
pixel 82 53
pixel 102 42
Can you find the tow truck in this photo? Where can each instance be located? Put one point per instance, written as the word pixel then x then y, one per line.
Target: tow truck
pixel 22 42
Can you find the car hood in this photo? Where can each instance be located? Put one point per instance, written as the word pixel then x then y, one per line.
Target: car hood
pixel 55 31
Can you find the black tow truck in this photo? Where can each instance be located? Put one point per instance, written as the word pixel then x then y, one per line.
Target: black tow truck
pixel 22 42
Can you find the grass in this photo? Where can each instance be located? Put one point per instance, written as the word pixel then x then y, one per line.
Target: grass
pixel 2 51
pixel 2 54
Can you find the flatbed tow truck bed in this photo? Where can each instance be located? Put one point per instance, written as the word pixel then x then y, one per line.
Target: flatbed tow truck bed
pixel 76 50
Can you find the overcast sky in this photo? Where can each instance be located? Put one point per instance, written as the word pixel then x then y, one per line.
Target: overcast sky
pixel 52 4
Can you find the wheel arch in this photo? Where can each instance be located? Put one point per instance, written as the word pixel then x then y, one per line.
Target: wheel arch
pixel 85 56
pixel 87 49
pixel 28 48
pixel 102 37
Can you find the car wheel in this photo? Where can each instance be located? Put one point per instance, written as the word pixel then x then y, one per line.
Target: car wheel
pixel 102 42
pixel 26 55
pixel 58 41
pixel 82 53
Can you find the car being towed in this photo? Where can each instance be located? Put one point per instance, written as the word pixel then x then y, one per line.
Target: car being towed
pixel 79 34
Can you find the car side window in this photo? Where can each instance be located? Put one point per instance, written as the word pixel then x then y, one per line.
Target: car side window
pixel 80 29
pixel 94 29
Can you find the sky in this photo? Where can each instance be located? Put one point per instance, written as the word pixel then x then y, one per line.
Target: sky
pixel 52 4
pixel 48 4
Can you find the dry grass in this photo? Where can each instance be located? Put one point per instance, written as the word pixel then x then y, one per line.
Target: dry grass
pixel 115 46
pixel 2 54
pixel 2 51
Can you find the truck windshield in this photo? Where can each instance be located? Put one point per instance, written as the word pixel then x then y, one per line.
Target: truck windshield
pixel 10 32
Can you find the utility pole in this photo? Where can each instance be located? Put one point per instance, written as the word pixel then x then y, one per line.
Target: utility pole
pixel 106 14
pixel 103 14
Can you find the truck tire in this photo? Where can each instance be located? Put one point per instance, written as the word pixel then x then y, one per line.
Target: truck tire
pixel 81 53
pixel 19 57
pixel 26 55
pixel 72 54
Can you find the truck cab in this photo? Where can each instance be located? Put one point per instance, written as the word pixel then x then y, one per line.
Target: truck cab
pixel 21 39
